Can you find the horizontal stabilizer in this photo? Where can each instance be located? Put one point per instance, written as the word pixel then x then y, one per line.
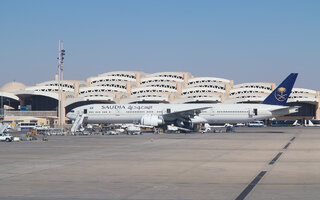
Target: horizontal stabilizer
pixel 285 111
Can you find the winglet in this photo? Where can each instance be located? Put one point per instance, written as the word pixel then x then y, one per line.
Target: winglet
pixel 280 95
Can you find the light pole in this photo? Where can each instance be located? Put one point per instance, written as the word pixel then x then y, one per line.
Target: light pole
pixel 60 83
pixel 2 108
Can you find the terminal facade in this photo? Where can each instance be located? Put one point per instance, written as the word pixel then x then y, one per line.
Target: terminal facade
pixel 39 103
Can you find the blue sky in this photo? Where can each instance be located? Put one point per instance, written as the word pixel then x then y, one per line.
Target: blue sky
pixel 244 41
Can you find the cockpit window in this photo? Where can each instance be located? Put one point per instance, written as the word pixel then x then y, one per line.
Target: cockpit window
pixel 72 111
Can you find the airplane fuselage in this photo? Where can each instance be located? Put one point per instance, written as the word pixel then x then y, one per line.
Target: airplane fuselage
pixel 215 113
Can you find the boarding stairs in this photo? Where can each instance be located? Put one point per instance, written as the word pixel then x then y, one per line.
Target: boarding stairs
pixel 3 127
pixel 77 124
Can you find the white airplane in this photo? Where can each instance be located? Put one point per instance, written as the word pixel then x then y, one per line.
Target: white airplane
pixel 187 115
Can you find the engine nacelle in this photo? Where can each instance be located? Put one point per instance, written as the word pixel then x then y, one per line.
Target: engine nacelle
pixel 184 123
pixel 198 120
pixel 151 120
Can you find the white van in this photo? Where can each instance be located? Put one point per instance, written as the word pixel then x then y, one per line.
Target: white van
pixel 256 124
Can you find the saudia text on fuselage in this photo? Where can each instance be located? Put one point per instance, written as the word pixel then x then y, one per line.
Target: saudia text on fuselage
pixel 129 107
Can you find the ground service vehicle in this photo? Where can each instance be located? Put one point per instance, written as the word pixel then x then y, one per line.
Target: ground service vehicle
pixel 26 126
pixel 284 123
pixel 256 124
pixel 6 137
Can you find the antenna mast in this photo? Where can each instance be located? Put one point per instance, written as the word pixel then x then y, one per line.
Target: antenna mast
pixel 60 83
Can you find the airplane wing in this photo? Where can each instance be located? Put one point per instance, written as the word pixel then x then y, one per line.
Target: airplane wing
pixel 184 114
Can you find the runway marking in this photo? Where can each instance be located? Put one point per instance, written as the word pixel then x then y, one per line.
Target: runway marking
pixel 256 180
pixel 251 185
pixel 287 145
pixel 275 158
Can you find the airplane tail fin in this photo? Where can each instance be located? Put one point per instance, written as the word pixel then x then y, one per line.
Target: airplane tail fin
pixel 280 95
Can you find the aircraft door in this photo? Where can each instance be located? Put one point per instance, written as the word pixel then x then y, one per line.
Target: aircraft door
pixel 253 112
pixel 166 111
pixel 85 111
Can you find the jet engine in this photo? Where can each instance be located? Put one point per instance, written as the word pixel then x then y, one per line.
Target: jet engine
pixel 191 123
pixel 184 123
pixel 151 120
pixel 198 120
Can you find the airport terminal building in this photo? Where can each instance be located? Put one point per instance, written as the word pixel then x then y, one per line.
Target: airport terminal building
pixel 39 103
